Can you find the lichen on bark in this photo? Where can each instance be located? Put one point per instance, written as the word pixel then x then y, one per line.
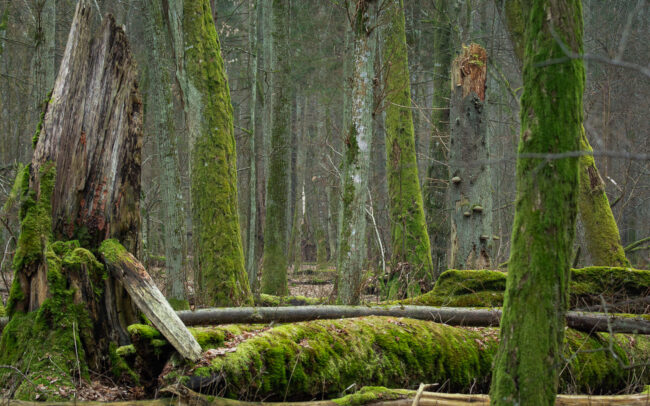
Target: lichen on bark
pixel 222 278
pixel 527 364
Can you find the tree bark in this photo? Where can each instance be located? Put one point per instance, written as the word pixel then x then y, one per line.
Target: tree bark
pixel 352 232
pixel 527 363
pixel 470 189
pixel 222 278
pixel 601 231
pixel 274 267
pixel 411 253
pixel 160 107
pixel 435 189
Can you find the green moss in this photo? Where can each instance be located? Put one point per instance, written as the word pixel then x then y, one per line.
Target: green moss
pixel 222 279
pixel 409 238
pixel 47 344
pixel 2 310
pixel 20 186
pixel 601 231
pixel 39 127
pixel 371 394
pixel 485 288
pixel 119 367
pixel 179 304
pixel 324 357
pixel 144 332
pixel 275 301
pixel 113 251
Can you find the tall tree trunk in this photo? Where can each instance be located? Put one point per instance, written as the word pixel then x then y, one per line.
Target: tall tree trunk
pixel 470 190
pixel 601 231
pixel 352 233
pixel 160 108
pixel 411 255
pixel 217 239
pixel 83 184
pixel 435 192
pixel 274 268
pixel 528 361
pixel 251 262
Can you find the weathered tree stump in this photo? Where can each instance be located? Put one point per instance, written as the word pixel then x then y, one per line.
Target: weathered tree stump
pixel 82 187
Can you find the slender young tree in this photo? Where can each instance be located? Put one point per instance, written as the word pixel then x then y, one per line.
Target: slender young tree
pixel 274 266
pixel 411 255
pixel 601 231
pixel 251 263
pixel 160 109
pixel 528 361
pixel 222 278
pixel 435 190
pixel 352 232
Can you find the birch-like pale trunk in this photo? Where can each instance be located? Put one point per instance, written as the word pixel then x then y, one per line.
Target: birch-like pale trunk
pixel 352 235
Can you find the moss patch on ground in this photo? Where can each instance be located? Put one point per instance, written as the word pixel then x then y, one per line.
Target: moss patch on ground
pixel 265 300
pixel 484 288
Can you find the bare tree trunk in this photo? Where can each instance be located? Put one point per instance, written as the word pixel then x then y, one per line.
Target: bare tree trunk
pixel 160 102
pixel 470 189
pixel 352 234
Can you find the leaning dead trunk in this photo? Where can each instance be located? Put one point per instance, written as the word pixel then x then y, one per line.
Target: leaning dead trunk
pixel 83 186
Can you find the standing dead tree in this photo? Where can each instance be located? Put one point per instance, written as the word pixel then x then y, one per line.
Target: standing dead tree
pixel 68 310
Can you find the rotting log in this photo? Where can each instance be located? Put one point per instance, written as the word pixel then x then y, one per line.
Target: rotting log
pixel 320 359
pixel 124 267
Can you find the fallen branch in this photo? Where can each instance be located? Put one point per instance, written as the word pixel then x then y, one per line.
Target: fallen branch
pixel 453 316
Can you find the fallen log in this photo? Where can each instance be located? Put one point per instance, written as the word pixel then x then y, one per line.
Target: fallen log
pixel 320 359
pixel 143 291
pixel 453 316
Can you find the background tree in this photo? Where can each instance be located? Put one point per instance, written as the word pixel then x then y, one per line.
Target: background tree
pixel 274 267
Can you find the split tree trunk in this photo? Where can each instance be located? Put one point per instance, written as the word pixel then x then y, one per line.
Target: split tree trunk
pixel 470 184
pixel 92 135
pixel 83 184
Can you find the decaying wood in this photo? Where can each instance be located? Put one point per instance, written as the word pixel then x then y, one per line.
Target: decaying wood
pixel 143 291
pixel 92 131
pixel 455 316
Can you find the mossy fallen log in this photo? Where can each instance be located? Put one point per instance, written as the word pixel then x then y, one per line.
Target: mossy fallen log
pixel 322 358
pixel 625 290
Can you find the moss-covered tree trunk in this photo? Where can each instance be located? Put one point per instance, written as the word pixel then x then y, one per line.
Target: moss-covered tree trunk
pixel 352 232
pixel 470 189
pixel 274 266
pixel 411 254
pixel 83 185
pixel 222 278
pixel 529 359
pixel 601 231
pixel 435 188
pixel 160 107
